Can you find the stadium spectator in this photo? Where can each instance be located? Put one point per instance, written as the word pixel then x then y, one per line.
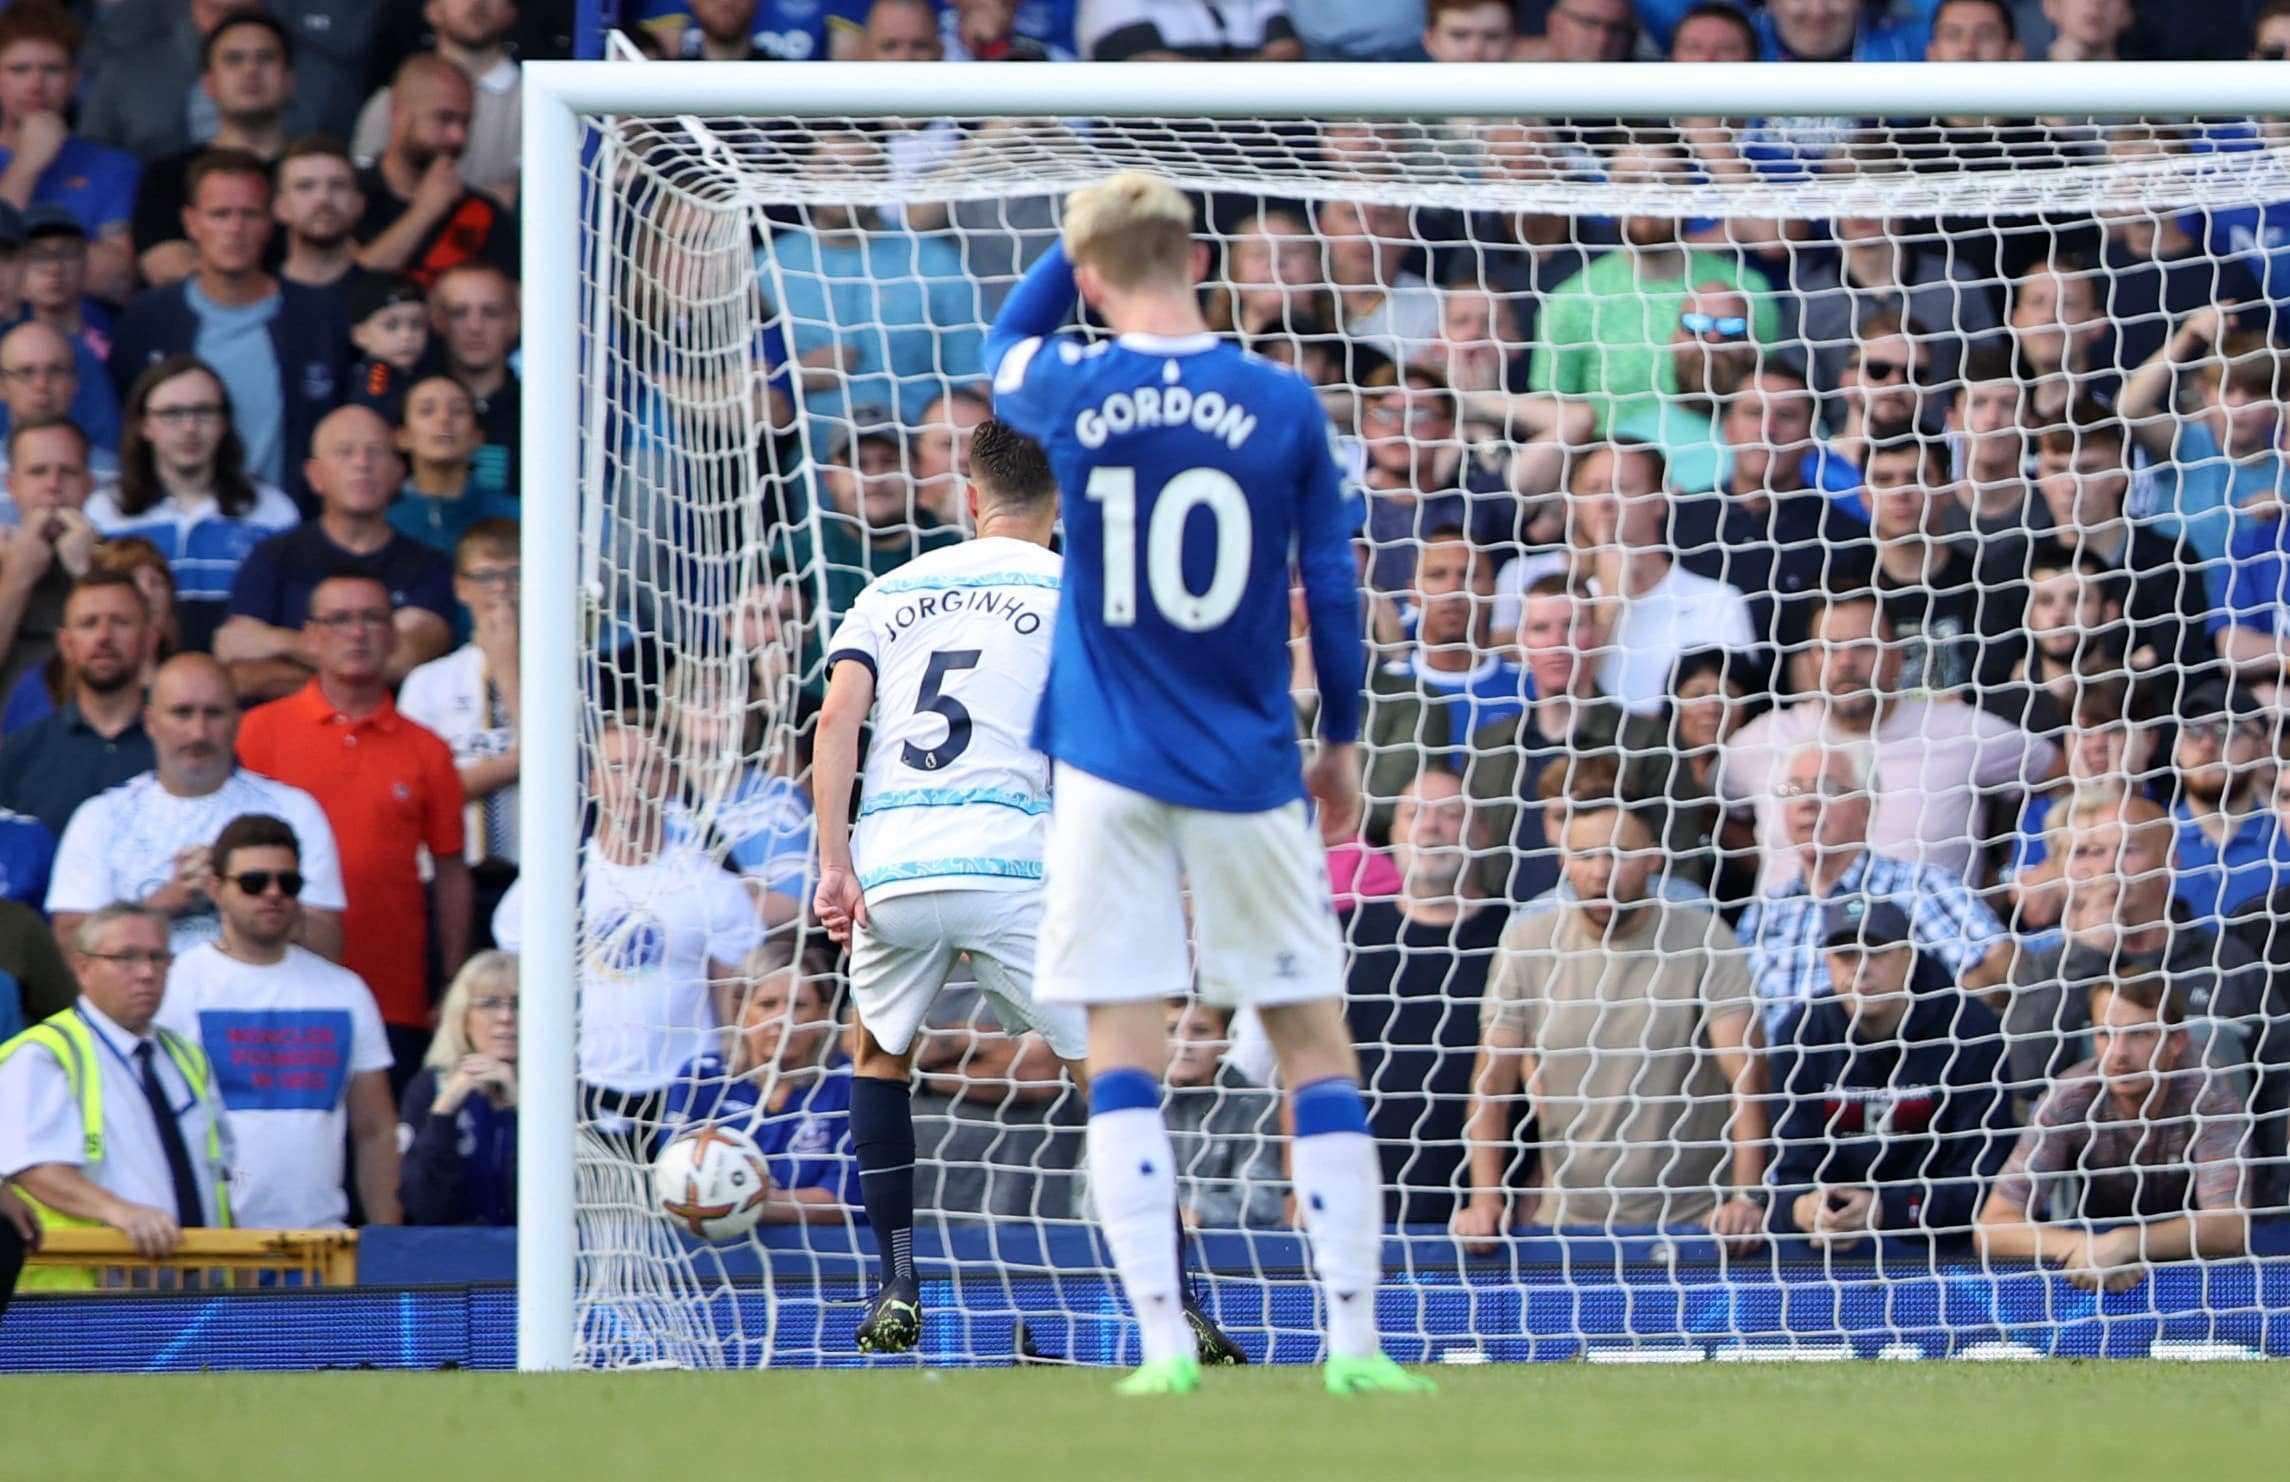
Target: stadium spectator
pixel 421 217
pixel 1469 30
pixel 52 280
pixel 2118 920
pixel 1626 1019
pixel 1384 304
pixel 271 343
pixel 1419 475
pixel 35 981
pixel 1584 31
pixel 782 1079
pixel 2084 478
pixel 353 470
pixel 397 805
pixel 473 313
pixel 150 839
pixel 1824 31
pixel 95 739
pixel 39 691
pixel 1659 608
pixel 45 376
pixel 1937 761
pixel 1714 31
pixel 2075 637
pixel 754 814
pixel 1890 1115
pixel 457 1121
pixel 296 1043
pixel 318 203
pixel 470 699
pixel 661 924
pixel 1710 699
pixel 830 30
pixel 2087 30
pixel 1224 1129
pixel 2232 850
pixel 473 35
pixel 1974 31
pixel 1948 625
pixel 183 486
pixel 1890 376
pixel 2156 272
pixel 1824 803
pixel 246 75
pixel 158 1118
pixel 2111 741
pixel 1991 415
pixel 1710 356
pixel 388 318
pixel 1568 723
pixel 870 525
pixel 1882 265
pixel 50 547
pixel 441 501
pixel 2060 337
pixel 1603 333
pixel 1426 707
pixel 1416 971
pixel 726 31
pixel 938 451
pixel 2211 461
pixel 2141 1137
pixel 876 316
pixel 42 162
pixel 1768 530
pixel 1274 279
pixel 1186 30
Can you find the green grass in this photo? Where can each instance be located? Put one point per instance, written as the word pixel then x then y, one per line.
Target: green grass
pixel 1868 1422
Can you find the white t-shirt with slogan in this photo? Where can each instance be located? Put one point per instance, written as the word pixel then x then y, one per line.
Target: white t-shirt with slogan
pixel 284 1040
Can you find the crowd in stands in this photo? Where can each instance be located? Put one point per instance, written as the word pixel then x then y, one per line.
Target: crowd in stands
pixel 1824 747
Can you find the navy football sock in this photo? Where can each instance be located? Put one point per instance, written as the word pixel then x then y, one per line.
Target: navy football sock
pixel 882 1134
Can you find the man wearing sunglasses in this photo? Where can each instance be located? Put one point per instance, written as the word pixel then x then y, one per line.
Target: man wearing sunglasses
pixel 1710 353
pixel 296 1043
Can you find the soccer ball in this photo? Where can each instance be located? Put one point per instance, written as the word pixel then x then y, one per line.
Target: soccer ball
pixel 713 1181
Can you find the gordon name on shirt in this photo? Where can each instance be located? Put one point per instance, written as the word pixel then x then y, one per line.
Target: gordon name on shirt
pixel 1164 406
pixel 1011 606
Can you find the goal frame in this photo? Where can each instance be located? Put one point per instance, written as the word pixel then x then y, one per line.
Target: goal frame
pixel 558 96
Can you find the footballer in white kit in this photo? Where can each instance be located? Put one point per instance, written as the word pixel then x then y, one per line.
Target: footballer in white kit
pixel 949 654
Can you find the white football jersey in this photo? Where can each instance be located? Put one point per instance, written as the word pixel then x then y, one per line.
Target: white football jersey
pixel 954 794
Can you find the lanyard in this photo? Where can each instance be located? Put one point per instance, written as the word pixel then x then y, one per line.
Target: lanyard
pixel 160 1053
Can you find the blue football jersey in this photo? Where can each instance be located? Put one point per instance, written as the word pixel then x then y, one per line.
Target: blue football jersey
pixel 1195 478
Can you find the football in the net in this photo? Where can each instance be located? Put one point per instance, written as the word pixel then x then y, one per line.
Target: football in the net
pixel 713 1181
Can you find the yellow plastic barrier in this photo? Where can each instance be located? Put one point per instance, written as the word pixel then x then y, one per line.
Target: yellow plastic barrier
pixel 206 1259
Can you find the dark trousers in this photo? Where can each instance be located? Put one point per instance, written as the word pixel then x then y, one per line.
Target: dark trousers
pixel 12 1254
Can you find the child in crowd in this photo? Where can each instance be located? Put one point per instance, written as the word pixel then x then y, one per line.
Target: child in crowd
pixel 389 325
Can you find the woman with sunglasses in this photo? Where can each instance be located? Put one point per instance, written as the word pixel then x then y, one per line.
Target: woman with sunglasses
pixel 458 1118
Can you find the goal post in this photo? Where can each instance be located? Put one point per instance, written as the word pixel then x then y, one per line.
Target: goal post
pixel 677 544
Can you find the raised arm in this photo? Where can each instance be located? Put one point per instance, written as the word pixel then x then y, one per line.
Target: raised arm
pixel 1036 306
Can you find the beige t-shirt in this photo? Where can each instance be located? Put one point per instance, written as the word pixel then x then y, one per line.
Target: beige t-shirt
pixel 1630 1097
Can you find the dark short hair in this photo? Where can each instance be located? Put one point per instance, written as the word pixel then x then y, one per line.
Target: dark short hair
pixel 2002 10
pixel 496 535
pixel 1724 10
pixel 1010 468
pixel 2150 989
pixel 319 145
pixel 252 831
pixel 97 579
pixel 1986 361
pixel 223 162
pixel 41 20
pixel 352 573
pixel 247 17
pixel 22 430
pixel 1930 453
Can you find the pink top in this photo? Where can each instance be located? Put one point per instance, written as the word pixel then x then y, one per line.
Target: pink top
pixel 1936 759
pixel 1356 872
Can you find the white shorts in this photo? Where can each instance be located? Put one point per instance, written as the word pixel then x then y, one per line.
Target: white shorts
pixel 901 959
pixel 1118 863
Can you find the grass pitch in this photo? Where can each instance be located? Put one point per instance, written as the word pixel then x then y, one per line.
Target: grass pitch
pixel 1867 1422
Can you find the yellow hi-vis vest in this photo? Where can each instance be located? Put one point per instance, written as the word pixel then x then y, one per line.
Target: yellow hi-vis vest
pixel 71 1039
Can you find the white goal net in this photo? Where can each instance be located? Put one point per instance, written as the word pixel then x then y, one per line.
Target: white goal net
pixel 1778 538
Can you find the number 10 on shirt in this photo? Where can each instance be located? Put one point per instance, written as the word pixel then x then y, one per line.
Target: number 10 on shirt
pixel 1114 489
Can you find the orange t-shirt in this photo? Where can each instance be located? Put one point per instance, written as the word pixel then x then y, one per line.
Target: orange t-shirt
pixel 388 787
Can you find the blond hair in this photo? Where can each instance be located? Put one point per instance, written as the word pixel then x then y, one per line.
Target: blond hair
pixel 1133 228
pixel 488 970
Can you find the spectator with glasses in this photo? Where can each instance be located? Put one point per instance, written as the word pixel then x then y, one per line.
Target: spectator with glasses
pixel 296 1044
pixel 1885 390
pixel 391 792
pixel 458 1118
pixel 184 487
pixel 45 377
pixel 53 261
pixel 1710 356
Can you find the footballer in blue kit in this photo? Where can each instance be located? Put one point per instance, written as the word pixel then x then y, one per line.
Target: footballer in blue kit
pixel 1197 481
